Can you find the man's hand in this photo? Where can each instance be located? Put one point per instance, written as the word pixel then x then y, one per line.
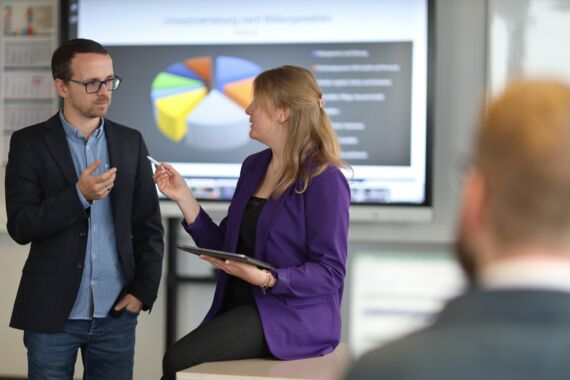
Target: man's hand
pixel 95 187
pixel 129 302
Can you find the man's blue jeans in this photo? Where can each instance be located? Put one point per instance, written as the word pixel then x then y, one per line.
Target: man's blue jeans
pixel 107 349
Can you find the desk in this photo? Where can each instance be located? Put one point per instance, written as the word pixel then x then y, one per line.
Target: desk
pixel 328 367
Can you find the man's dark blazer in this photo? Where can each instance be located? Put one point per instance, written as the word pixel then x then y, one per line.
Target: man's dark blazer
pixel 44 209
pixel 491 335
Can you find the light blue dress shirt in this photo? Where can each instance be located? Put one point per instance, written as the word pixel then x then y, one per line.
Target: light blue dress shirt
pixel 103 279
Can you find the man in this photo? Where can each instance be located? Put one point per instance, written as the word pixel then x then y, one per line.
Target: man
pixel 80 190
pixel 514 239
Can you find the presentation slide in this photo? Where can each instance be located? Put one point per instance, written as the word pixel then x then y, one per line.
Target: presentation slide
pixel 188 71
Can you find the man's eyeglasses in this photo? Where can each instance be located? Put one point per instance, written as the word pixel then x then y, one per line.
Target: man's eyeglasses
pixel 93 86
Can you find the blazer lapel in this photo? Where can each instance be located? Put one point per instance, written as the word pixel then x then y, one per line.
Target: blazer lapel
pixel 266 220
pixel 114 144
pixel 248 185
pixel 268 214
pixel 57 144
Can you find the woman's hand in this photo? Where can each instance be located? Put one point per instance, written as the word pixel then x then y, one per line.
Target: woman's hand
pixel 171 183
pixel 247 272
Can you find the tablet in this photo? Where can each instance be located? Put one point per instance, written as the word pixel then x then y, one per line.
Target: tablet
pixel 226 256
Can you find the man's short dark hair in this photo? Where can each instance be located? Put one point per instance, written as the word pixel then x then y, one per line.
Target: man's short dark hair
pixel 62 56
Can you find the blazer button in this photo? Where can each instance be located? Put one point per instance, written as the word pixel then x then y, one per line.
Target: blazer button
pixel 83 234
pixel 79 265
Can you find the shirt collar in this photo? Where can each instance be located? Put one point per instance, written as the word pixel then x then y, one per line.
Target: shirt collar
pixel 75 133
pixel 520 273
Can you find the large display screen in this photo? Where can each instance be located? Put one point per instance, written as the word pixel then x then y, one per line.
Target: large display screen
pixel 188 68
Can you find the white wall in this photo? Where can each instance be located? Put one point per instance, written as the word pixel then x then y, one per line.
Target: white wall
pixel 12 353
pixel 460 81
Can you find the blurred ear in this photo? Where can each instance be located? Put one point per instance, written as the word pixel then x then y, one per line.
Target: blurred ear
pixel 473 210
pixel 61 88
pixel 284 114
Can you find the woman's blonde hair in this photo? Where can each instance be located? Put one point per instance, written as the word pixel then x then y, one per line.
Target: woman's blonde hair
pixel 311 142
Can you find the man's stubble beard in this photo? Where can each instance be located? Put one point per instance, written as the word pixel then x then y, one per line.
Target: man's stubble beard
pixel 93 112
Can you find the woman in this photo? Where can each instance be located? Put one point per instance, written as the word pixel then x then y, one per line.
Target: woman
pixel 290 209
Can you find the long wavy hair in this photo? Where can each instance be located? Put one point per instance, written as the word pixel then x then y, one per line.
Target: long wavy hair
pixel 311 142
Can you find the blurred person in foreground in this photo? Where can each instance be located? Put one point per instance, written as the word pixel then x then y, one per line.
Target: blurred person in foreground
pixel 290 209
pixel 514 243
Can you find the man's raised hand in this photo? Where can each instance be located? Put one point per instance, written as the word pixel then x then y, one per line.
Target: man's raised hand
pixel 95 187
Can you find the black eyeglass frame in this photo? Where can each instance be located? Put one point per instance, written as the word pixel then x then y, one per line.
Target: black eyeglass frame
pixel 115 79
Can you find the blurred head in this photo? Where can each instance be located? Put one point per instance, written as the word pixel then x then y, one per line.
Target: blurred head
pixel 78 68
pixel 520 186
pixel 310 142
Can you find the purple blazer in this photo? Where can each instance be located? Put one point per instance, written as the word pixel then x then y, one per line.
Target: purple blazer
pixel 305 237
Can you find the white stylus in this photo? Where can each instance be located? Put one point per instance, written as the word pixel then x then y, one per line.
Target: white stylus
pixel 153 160
pixel 156 163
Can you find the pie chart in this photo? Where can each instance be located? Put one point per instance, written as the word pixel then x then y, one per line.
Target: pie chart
pixel 201 101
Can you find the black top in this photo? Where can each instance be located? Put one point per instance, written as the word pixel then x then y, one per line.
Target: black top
pixel 238 292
